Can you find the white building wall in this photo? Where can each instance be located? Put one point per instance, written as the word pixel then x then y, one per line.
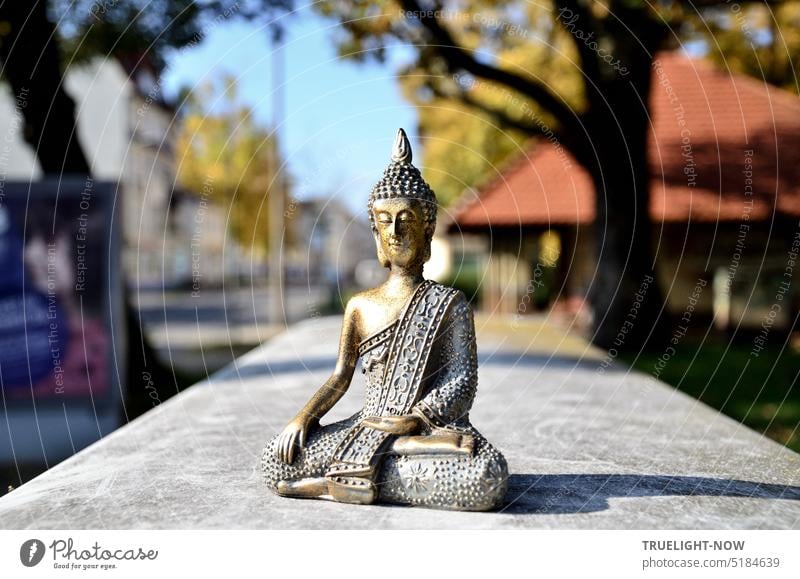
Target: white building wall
pixel 101 91
pixel 17 160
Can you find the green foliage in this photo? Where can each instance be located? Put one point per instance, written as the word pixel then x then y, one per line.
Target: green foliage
pixel 760 392
pixel 223 153
pixel 147 27
pixel 757 39
pixel 464 145
pixel 467 277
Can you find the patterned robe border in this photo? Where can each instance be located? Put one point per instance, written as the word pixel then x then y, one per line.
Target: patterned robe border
pixel 409 352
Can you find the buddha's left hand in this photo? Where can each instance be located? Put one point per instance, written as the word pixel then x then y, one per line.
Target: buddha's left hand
pixel 400 425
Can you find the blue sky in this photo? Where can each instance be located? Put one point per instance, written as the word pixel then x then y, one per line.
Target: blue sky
pixel 340 116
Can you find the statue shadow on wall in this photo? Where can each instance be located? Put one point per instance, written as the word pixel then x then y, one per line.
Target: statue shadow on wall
pixel 559 494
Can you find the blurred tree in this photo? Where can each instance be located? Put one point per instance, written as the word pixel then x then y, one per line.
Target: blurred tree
pixel 468 134
pixel 223 150
pixel 762 40
pixel 574 72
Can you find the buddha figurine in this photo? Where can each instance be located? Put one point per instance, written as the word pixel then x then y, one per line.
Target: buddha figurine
pixel 412 443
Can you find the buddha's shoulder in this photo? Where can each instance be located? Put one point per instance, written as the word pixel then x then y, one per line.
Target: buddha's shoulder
pixel 458 301
pixel 457 294
pixel 446 288
pixel 367 300
pixel 365 297
pixel 364 302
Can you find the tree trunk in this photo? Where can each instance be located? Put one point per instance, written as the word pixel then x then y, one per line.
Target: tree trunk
pixel 31 64
pixel 626 296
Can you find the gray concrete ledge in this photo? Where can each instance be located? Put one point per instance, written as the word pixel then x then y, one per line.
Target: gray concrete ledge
pixel 586 450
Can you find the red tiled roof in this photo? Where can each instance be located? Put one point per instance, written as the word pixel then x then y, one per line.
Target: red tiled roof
pixel 703 120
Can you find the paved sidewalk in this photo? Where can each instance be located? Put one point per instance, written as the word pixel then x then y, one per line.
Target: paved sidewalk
pixel 586 449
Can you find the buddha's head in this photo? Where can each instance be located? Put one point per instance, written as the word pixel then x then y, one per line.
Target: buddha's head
pixel 402 211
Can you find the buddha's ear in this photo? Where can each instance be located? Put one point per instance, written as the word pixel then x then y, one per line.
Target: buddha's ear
pixel 428 241
pixel 382 259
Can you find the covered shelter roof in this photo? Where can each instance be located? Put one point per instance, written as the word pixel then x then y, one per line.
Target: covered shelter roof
pixel 717 140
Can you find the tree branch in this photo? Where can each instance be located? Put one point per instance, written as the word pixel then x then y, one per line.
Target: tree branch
pixel 500 116
pixel 457 57
pixel 572 12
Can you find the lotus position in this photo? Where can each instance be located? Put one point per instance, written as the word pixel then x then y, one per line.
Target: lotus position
pixel 412 443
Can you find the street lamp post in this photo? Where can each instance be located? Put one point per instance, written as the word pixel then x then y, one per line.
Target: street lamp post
pixel 276 297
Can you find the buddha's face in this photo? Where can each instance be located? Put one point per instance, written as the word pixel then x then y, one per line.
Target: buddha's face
pixel 401 235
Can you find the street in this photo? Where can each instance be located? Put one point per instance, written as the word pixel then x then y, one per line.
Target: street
pixel 200 334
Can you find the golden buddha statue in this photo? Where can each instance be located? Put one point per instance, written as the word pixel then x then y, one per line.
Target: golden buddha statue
pixel 412 442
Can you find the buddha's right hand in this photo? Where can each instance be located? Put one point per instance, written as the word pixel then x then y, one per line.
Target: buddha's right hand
pixel 293 436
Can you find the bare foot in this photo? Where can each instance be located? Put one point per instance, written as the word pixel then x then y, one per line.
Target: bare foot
pixel 305 488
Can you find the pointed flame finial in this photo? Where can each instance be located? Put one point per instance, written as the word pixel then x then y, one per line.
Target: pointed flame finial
pixel 401 151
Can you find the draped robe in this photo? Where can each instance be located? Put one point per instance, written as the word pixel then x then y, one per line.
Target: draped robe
pixel 423 363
